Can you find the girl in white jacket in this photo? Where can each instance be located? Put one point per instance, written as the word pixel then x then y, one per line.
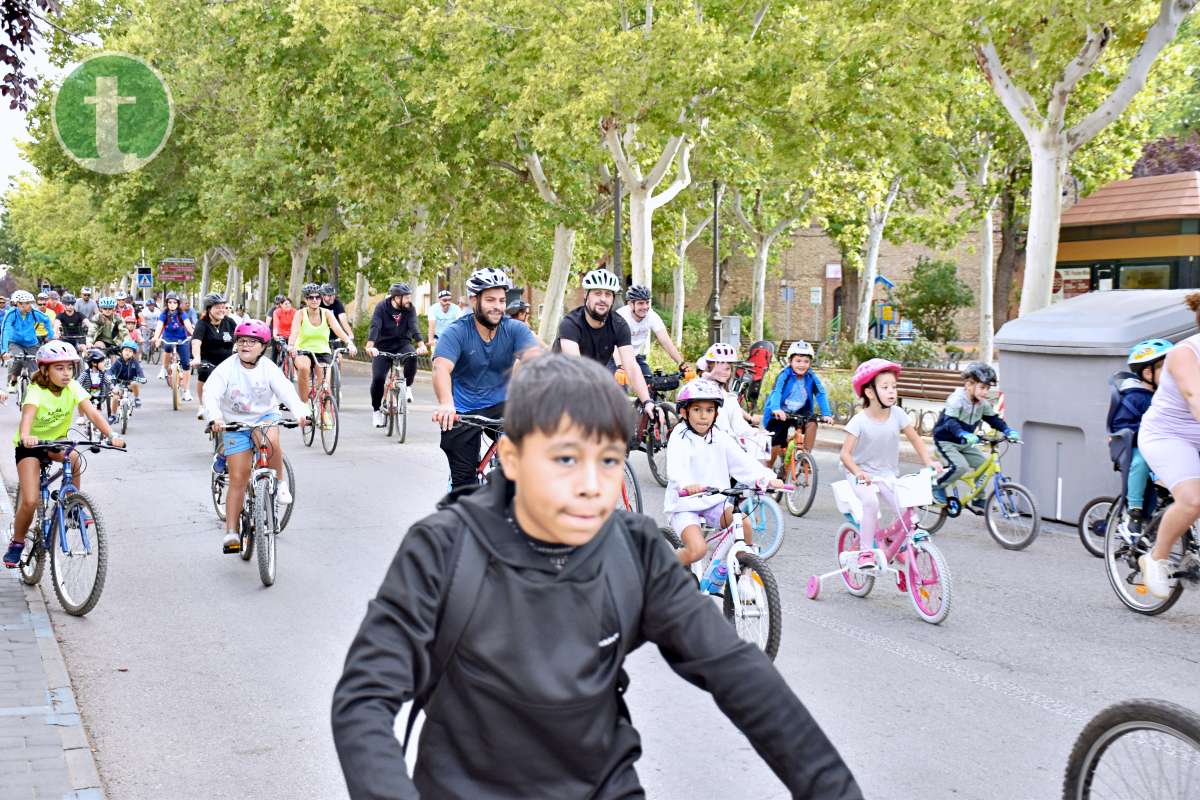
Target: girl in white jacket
pixel 717 365
pixel 699 456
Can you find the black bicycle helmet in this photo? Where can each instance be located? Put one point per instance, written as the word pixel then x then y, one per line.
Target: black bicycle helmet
pixel 399 290
pixel 95 355
pixel 328 288
pixel 278 299
pixel 981 373
pixel 516 307
pixel 444 293
pixel 213 299
pixel 637 293
pixel 68 299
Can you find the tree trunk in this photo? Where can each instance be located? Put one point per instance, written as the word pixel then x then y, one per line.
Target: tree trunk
pixel 759 291
pixel 679 288
pixel 360 288
pixel 264 284
pixel 1050 158
pixel 1006 264
pixel 233 286
pixel 876 222
pixel 986 255
pixel 556 286
pixel 205 272
pixel 299 253
pixel 641 238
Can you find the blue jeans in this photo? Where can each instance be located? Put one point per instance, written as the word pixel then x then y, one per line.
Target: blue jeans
pixel 1139 477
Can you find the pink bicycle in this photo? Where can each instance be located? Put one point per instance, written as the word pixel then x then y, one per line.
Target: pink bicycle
pixel 907 552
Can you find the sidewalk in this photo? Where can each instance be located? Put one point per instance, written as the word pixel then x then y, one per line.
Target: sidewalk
pixel 44 750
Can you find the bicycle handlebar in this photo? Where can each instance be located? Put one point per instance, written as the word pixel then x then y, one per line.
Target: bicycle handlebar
pixel 71 444
pixel 242 426
pixel 479 421
pixel 736 491
pixel 397 356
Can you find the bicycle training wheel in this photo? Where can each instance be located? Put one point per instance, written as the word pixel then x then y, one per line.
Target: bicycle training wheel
pixel 1136 749
pixel 1124 573
pixel 329 424
pixel 929 581
pixel 1012 516
pixel 402 417
pixel 802 475
pixel 34 561
pixel 766 524
pixel 758 616
pixel 309 431
pixel 857 583
pixel 78 554
pixel 217 486
pixel 264 529
pixel 631 493
pixel 1092 522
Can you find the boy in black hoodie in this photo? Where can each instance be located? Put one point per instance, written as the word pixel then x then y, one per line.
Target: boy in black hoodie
pixel 518 659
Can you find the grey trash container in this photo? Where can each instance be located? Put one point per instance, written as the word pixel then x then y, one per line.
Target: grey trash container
pixel 1054 370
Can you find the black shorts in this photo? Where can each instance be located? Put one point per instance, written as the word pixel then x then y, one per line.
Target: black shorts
pixel 40 453
pixel 780 429
pixel 322 358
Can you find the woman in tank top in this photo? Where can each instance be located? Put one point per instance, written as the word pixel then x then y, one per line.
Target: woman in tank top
pixel 1169 439
pixel 310 333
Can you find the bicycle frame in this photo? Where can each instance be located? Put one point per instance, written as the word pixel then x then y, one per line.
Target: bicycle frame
pixel 714 539
pixel 987 473
pixel 53 521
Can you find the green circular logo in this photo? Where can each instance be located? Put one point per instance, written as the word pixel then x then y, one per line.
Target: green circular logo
pixel 113 113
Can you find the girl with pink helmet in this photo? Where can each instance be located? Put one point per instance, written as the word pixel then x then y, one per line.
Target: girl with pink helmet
pixel 248 388
pixel 872 446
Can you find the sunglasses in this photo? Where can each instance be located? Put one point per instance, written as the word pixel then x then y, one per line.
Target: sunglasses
pixel 313 297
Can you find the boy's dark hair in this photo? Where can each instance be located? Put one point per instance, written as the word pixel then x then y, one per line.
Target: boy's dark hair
pixel 552 386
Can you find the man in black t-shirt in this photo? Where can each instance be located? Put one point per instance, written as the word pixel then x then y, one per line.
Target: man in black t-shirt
pixel 330 300
pixel 594 332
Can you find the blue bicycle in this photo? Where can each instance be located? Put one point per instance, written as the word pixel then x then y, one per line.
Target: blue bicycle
pixel 68 526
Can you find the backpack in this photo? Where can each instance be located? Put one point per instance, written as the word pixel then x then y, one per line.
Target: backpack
pixel 471 561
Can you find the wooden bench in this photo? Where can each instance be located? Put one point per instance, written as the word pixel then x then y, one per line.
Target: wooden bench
pixel 917 383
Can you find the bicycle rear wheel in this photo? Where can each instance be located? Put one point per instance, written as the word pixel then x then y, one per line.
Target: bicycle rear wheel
pixel 1136 749
pixel 631 493
pixel 802 475
pixel 1124 573
pixel 329 424
pixel 929 581
pixel 1012 516
pixel 758 618
pixel 78 554
pixel 1092 522
pixel 766 524
pixel 309 432
pixel 264 529
pixel 34 561
pixel 857 583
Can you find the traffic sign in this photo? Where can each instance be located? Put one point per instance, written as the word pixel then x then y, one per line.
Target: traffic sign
pixel 177 269
pixel 145 280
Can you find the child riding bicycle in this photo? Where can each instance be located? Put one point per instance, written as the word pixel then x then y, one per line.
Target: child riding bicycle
pixel 128 369
pixel 717 365
pixel 248 389
pixel 871 450
pixel 795 392
pixel 46 415
pixel 700 455
pixel 954 433
pixel 1133 392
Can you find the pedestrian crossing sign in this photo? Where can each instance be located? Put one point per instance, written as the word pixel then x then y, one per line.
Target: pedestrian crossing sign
pixel 145 280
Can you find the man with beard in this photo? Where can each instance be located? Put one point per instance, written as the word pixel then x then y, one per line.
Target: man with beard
pixel 594 332
pixel 393 330
pixel 471 366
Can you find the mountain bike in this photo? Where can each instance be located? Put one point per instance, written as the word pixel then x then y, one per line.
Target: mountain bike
pixel 395 398
pixel 1009 510
pixel 174 373
pixel 259 523
pixel 921 570
pixel 799 468
pixel 322 407
pixel 652 434
pixel 1136 750
pixel 1123 548
pixel 219 484
pixel 749 591
pixel 68 526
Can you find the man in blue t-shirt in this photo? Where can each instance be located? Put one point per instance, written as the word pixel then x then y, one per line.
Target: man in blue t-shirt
pixel 474 358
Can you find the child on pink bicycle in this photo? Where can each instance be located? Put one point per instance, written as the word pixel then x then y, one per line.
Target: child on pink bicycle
pixel 700 455
pixel 872 447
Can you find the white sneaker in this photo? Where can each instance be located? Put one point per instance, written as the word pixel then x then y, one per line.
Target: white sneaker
pixel 200 412
pixel 408 395
pixel 377 419
pixel 187 397
pixel 162 373
pixel 283 494
pixel 1154 576
pixel 232 543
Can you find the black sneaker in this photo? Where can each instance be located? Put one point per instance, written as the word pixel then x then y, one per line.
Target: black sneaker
pixel 1134 521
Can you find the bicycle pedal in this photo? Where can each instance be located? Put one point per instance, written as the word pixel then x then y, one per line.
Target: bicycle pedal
pixel 230 549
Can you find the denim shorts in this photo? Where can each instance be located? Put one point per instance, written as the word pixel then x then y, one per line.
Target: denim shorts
pixel 182 349
pixel 240 441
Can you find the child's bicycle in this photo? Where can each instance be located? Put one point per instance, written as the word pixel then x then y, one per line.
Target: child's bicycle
pixel 125 403
pixel 219 483
pixel 395 399
pixel 920 568
pixel 1009 510
pixel 799 468
pixel 68 526
pixel 733 570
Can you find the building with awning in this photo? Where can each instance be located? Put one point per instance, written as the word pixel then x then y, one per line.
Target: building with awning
pixel 1142 233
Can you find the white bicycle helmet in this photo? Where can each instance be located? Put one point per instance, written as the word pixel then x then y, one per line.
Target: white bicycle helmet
pixel 716 354
pixel 799 348
pixel 487 278
pixel 106 303
pixel 700 389
pixel 602 279
pixel 21 296
pixel 56 350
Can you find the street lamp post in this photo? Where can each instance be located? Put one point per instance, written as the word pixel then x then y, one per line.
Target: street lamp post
pixel 616 259
pixel 714 323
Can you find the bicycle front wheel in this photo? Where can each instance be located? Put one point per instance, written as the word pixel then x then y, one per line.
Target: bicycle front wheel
pixel 329 424
pixel 929 581
pixel 631 493
pixel 389 409
pixel 657 435
pixel 766 524
pixel 124 412
pixel 802 475
pixel 335 382
pixel 857 583
pixel 286 511
pixel 1136 749
pixel 173 377
pixel 1092 522
pixel 758 613
pixel 78 554
pixel 264 529
pixel 1012 516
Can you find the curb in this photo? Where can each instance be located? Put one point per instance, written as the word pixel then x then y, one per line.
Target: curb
pixel 82 773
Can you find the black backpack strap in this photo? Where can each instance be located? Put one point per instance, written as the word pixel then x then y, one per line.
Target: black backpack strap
pixel 458 604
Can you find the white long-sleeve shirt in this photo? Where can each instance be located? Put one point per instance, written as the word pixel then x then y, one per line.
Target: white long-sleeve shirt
pixel 730 419
pixel 234 393
pixel 709 460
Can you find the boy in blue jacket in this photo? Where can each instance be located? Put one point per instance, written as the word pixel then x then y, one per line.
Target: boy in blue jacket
pixel 1135 391
pixel 796 391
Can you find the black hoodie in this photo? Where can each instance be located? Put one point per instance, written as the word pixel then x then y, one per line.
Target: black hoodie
pixel 528 703
pixel 392 329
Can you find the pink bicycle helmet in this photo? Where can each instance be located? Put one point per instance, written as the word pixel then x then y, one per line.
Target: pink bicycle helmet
pixel 254 329
pixel 871 369
pixel 700 389
pixel 56 351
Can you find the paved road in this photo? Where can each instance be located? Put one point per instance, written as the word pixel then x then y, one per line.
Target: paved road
pixel 196 682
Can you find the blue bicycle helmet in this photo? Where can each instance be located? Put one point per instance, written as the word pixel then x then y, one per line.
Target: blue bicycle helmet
pixel 1148 353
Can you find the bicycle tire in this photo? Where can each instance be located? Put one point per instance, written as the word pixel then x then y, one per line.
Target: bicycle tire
pixel 246 525
pixel 992 510
pixel 329 424
pixel 857 584
pixel 217 486
pixel 766 589
pixel 309 432
pixel 155 356
pixel 124 412
pixel 671 537
pixel 916 587
pixel 78 508
pixel 173 377
pixel 932 518
pixel 1121 565
pixel 402 419
pixel 22 387
pixel 264 529
pixel 1091 525
pixel 291 479
pixel 803 475
pixel 34 563
pixel 657 435
pixel 1136 718
pixel 389 411
pixel 631 492
pixel 843 411
pixel 766 522
pixel 335 382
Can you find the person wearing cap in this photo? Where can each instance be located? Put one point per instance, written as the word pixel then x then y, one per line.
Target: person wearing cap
pixel 125 309
pixel 441 315
pixel 394 329
pixel 85 305
pixel 55 302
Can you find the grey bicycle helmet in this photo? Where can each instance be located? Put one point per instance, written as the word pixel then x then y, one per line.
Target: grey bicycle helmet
pixel 399 290
pixel 213 299
pixel 309 289
pixel 602 279
pixel 487 278
pixel 637 293
pixel 68 299
pixel 980 373
pixel 171 296
pixel 328 288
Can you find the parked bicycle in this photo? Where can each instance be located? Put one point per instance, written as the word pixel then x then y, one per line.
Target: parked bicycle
pixel 920 569
pixel 732 570
pixel 322 407
pixel 69 528
pixel 1009 510
pixel 395 396
pixel 1136 750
